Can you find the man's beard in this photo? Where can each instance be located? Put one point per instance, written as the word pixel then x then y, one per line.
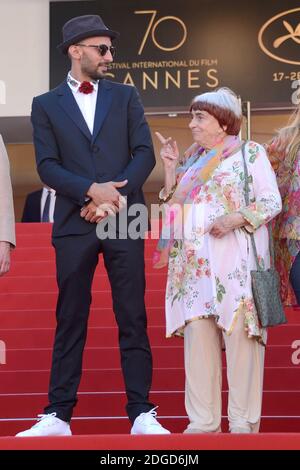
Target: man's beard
pixel 96 74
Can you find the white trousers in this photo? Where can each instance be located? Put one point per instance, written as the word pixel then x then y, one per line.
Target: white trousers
pixel 203 369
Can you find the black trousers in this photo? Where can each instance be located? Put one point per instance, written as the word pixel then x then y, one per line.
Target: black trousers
pixel 76 261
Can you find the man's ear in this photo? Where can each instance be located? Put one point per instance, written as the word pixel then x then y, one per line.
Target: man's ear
pixel 74 52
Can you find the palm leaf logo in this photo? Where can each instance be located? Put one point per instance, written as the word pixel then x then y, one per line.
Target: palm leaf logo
pixel 293 34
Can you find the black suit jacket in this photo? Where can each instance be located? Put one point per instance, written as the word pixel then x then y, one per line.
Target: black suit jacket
pixel 32 207
pixel 69 159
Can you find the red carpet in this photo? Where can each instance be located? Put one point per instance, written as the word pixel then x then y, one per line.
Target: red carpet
pixel 27 319
pixel 175 442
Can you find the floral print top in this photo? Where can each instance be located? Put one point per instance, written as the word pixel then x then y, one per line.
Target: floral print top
pixel 208 276
pixel 287 225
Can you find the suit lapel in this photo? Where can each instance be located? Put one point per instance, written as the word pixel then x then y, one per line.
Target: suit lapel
pixel 104 99
pixel 68 103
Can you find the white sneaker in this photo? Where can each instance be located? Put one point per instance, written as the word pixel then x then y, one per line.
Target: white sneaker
pixel 47 425
pixel 239 430
pixel 146 423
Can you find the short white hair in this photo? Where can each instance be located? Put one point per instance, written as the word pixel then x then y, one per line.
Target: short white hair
pixel 224 98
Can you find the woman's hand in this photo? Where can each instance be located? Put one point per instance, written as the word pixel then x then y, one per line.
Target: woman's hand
pixel 4 257
pixel 225 223
pixel 169 152
pixel 94 214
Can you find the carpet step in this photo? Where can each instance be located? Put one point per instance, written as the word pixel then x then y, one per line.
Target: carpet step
pixel 34 229
pixel 43 240
pixel 29 240
pixel 165 357
pixel 47 300
pixel 36 267
pixel 47 253
pixel 43 283
pixel 32 268
pixel 275 378
pixel 45 318
pixel 28 297
pixel 97 336
pixel 171 403
pixel 36 338
pixel 99 316
pixel 101 298
pixel 106 426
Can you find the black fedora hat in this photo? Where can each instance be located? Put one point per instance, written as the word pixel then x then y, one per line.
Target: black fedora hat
pixel 82 27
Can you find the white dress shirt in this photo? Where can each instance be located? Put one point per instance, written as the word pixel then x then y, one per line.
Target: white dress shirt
pixel 52 202
pixel 87 103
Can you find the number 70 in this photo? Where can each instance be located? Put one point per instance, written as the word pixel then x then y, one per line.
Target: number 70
pixel 152 28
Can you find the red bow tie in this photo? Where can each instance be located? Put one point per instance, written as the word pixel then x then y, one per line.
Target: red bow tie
pixel 86 88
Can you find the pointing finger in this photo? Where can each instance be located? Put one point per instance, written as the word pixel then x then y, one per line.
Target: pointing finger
pixel 162 139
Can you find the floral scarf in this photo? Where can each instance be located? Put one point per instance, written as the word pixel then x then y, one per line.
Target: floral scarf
pixel 197 170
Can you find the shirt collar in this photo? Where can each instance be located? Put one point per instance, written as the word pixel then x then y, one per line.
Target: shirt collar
pixel 75 84
pixel 52 191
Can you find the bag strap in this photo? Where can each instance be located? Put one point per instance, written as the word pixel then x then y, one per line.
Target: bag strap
pixel 246 194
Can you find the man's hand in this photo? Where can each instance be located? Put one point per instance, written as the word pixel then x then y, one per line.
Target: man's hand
pixel 4 257
pixel 106 192
pixel 224 224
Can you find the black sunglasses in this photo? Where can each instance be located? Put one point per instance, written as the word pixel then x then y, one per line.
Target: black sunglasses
pixel 102 48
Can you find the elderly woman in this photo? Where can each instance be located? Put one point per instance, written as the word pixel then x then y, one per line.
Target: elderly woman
pixel 7 218
pixel 209 296
pixel 284 152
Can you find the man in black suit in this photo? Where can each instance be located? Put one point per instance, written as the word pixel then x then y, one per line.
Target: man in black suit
pixel 92 146
pixel 39 206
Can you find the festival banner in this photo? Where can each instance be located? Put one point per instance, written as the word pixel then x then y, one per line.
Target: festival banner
pixel 172 50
